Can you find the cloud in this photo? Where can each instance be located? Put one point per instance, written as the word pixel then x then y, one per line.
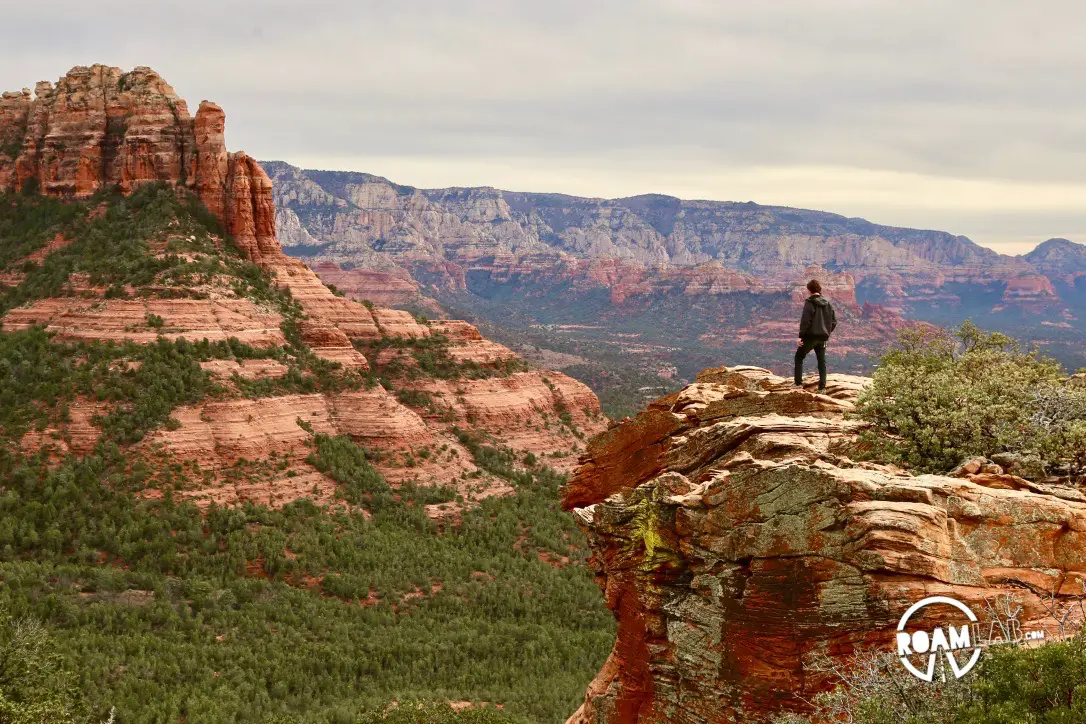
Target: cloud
pixel 968 106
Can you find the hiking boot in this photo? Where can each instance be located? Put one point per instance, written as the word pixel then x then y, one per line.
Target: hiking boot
pixel 821 390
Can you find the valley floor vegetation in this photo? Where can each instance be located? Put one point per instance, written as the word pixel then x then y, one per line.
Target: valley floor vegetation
pixel 624 383
pixel 147 609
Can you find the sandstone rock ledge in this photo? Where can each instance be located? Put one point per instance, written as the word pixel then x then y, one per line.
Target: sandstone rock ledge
pixel 736 542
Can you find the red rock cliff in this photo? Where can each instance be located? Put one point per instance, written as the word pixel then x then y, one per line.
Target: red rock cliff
pixel 737 544
pixel 100 126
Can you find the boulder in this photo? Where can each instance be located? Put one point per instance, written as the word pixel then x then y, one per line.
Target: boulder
pixel 972 466
pixel 1026 466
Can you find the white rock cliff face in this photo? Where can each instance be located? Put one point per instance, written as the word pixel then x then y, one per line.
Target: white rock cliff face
pixel 354 214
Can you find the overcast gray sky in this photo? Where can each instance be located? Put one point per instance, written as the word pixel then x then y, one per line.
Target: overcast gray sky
pixel 963 115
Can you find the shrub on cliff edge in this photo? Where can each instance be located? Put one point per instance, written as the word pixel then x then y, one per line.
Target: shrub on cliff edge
pixel 939 397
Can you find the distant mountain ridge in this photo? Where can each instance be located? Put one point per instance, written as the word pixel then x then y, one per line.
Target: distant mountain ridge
pixel 1058 258
pixel 651 228
pixel 541 251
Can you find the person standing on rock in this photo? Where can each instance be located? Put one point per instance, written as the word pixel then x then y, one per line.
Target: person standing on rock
pixel 815 327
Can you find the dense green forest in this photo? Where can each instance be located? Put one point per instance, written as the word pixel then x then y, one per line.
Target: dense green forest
pixel 157 611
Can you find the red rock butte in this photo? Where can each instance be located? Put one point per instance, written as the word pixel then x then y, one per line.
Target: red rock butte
pixel 99 127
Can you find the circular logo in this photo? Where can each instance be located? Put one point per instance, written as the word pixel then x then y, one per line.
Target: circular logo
pixel 949 641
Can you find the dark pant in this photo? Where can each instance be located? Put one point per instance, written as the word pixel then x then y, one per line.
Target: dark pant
pixel 819 347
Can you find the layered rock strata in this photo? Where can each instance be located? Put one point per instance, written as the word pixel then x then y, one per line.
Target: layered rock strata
pixel 543 413
pixel 639 246
pixel 72 318
pixel 217 434
pixel 737 543
pixel 100 127
pixel 393 288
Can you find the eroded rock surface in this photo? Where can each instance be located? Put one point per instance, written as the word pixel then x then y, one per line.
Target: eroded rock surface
pixel 736 542
pixel 100 126
pixel 547 414
pixel 72 318
pixel 394 288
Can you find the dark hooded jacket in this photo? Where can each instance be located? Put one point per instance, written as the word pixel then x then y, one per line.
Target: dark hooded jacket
pixel 818 320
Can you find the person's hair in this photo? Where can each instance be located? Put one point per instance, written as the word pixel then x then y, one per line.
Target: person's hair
pixel 814 287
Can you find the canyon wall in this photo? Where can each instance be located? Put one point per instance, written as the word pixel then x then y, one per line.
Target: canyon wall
pixel 360 218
